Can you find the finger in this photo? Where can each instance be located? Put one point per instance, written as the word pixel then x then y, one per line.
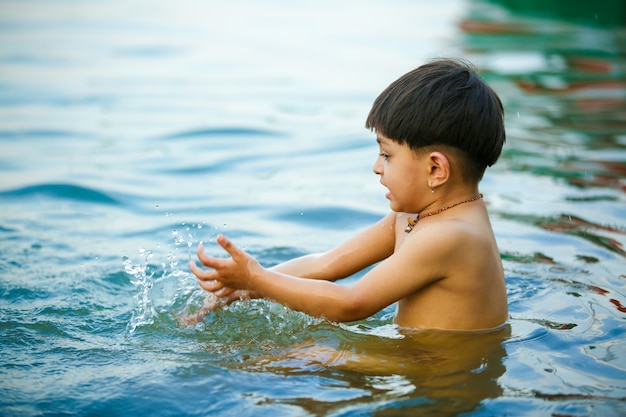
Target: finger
pixel 207 260
pixel 211 286
pixel 224 292
pixel 202 274
pixel 207 280
pixel 202 256
pixel 230 247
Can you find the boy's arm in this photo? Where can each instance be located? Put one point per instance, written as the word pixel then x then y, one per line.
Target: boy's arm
pixel 364 249
pixel 393 279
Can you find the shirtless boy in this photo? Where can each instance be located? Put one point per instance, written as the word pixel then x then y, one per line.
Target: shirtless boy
pixel 438 127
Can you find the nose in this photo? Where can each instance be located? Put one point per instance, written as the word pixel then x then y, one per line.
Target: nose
pixel 378 166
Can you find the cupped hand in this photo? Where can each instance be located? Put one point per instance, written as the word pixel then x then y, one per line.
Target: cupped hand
pixel 225 274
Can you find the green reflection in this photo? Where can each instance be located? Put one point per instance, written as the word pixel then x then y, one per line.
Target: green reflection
pixel 608 13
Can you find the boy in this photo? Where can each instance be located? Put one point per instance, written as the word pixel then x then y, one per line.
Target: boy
pixel 438 127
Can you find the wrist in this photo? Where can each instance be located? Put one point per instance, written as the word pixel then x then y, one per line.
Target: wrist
pixel 255 276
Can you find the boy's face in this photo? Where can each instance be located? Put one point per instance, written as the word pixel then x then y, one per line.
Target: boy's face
pixel 404 173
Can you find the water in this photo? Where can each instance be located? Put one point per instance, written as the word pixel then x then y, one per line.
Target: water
pixel 131 131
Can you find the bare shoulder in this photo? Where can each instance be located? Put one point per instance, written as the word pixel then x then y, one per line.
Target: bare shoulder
pixel 454 243
pixel 459 258
pixel 451 234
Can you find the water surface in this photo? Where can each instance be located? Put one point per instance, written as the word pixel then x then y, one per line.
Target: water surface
pixel 131 131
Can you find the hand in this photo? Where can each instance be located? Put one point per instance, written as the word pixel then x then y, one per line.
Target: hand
pixel 227 274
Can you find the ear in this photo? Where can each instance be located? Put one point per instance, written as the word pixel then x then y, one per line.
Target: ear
pixel 438 169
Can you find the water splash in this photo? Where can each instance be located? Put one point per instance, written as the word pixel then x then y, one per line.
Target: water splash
pixel 142 278
pixel 163 287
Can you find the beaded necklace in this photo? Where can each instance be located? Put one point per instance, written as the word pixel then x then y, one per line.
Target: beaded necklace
pixel 412 222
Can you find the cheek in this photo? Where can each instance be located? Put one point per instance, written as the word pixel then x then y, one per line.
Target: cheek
pixel 405 185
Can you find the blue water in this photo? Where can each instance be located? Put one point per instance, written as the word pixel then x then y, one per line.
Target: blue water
pixel 132 130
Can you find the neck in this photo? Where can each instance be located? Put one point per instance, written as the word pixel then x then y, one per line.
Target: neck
pixel 411 222
pixel 442 198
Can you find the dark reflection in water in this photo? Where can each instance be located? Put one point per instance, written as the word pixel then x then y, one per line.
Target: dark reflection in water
pixel 569 73
pixel 562 69
pixel 605 13
pixel 443 372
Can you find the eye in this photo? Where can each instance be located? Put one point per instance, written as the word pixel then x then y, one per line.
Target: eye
pixel 384 155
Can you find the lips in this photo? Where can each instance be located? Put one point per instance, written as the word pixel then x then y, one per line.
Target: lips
pixel 388 193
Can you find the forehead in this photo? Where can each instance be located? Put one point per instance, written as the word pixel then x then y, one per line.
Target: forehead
pixel 391 144
pixel 396 148
pixel 383 140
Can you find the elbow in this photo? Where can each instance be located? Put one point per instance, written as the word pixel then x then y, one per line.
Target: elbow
pixel 352 308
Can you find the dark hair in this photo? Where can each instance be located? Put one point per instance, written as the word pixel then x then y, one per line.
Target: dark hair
pixel 443 102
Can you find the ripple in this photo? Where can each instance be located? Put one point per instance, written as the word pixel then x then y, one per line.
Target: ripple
pixel 223 165
pixel 224 131
pixel 524 331
pixel 601 235
pixel 328 217
pixel 6 229
pixel 62 191
pixel 42 133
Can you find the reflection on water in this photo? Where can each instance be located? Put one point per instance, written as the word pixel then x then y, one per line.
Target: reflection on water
pixel 561 70
pixel 365 367
pixel 446 373
pixel 566 97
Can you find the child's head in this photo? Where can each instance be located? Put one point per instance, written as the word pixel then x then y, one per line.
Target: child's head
pixel 443 105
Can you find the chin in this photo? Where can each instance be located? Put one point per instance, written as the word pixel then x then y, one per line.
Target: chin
pixel 399 208
pixel 396 207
